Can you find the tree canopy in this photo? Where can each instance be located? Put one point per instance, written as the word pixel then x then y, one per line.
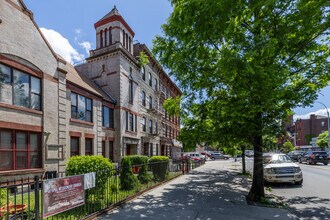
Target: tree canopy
pixel 322 140
pixel 245 64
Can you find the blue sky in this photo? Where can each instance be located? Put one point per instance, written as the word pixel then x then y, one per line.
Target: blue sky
pixel 69 27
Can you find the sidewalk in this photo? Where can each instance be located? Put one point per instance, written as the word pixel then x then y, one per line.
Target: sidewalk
pixel 213 191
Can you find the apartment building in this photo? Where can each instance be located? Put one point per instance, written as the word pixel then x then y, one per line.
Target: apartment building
pixel 51 110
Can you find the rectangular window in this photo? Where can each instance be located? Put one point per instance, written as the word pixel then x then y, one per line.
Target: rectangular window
pixel 88 146
pixel 157 150
pixel 111 150
pixel 131 123
pixel 19 150
pixel 74 148
pixel 103 148
pixel 130 90
pixel 151 149
pixel 135 123
pixel 107 117
pixel 5 74
pixel 126 121
pixel 81 107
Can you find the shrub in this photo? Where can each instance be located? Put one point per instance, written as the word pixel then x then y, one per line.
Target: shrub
pixel 3 196
pixel 159 166
pixel 86 164
pixel 127 179
pixel 142 161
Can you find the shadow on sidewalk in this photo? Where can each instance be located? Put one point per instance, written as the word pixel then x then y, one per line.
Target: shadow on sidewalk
pixel 318 209
pixel 202 194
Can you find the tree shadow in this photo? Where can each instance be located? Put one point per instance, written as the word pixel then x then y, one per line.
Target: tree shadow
pixel 201 194
pixel 318 209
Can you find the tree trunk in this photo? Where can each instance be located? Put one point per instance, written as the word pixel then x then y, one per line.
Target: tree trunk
pixel 257 190
pixel 243 159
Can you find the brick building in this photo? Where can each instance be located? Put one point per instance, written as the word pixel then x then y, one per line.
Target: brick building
pixel 51 110
pixel 306 129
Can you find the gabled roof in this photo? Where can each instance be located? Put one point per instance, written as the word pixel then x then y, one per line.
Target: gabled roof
pixel 85 83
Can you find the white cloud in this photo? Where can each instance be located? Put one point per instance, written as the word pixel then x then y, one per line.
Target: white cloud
pixel 86 45
pixel 62 46
pixel 321 112
pixel 77 31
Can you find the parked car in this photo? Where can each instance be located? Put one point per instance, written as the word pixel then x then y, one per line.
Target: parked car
pixel 279 168
pixel 206 154
pixel 219 156
pixel 193 156
pixel 295 155
pixel 313 157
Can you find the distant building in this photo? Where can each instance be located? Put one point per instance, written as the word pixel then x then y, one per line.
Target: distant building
pixel 307 129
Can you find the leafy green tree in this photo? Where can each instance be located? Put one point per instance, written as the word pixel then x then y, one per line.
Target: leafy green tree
pixel 287 147
pixel 143 59
pixel 322 140
pixel 246 64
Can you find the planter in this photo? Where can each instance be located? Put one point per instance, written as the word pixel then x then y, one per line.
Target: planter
pixel 136 170
pixel 12 209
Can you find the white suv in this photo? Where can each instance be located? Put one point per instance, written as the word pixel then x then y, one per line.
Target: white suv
pixel 280 168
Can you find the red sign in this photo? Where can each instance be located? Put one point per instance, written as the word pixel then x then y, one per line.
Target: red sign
pixel 62 194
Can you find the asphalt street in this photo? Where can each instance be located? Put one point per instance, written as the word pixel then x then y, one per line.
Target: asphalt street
pixel 312 199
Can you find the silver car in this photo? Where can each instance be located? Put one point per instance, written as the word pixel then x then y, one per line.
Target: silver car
pixel 279 168
pixel 214 156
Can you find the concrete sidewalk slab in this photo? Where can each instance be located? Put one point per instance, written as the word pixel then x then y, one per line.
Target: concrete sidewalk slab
pixel 212 191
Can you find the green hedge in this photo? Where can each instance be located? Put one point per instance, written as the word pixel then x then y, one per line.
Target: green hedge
pixel 142 161
pixel 86 164
pixel 127 179
pixel 159 166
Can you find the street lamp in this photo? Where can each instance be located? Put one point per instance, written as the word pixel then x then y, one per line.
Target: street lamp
pixel 328 121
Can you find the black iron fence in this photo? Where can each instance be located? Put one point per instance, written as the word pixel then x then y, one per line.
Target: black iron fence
pixel 22 198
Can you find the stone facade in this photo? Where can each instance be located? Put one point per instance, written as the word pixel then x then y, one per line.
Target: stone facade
pixel 56 110
pixel 23 48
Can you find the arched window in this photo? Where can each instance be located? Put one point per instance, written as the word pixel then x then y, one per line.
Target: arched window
pixel 150 126
pixel 143 97
pixel 150 79
pixel 124 38
pixel 150 102
pixel 101 38
pixel 144 126
pixel 143 70
pixel 130 90
pixel 110 36
pixel 105 37
pixel 156 84
pixel 126 41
